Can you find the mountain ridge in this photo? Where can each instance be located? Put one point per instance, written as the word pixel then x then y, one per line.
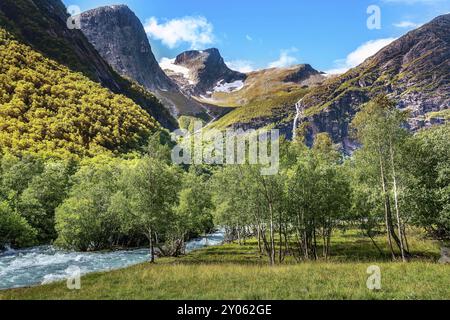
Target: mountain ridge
pixel 42 24
pixel 414 70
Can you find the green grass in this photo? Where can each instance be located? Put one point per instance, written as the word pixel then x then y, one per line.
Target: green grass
pixel 277 106
pixel 445 114
pixel 239 272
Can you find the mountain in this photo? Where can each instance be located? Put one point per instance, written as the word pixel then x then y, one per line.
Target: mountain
pixel 263 85
pixel 42 24
pixel 200 72
pixel 266 97
pixel 414 70
pixel 249 101
pixel 50 110
pixel 119 36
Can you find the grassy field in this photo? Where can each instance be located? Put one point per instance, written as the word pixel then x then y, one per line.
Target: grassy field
pixel 239 272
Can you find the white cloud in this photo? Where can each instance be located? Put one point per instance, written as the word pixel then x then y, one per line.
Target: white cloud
pixel 406 24
pixel 358 56
pixel 286 59
pixel 197 31
pixel 249 38
pixel 243 66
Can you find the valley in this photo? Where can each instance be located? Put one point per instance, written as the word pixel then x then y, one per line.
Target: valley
pixel 89 123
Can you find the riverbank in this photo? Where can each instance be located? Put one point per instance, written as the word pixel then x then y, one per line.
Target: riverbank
pixel 47 264
pixel 238 272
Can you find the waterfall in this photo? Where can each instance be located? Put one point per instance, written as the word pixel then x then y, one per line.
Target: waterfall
pixel 299 114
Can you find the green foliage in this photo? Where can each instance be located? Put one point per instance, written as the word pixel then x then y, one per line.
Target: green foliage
pixel 429 193
pixel 304 201
pixel 44 193
pixel 85 221
pixel 116 202
pixel 150 192
pixel 187 122
pixel 379 127
pixel 194 210
pixel 160 147
pixel 32 188
pixel 16 174
pixel 48 109
pixel 14 229
pixel 317 195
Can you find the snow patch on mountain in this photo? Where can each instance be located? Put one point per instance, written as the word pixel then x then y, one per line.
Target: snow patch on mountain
pixel 229 87
pixel 169 64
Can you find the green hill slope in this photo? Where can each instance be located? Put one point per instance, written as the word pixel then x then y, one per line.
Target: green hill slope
pixel 46 108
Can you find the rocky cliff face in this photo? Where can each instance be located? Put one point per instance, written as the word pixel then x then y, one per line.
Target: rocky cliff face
pixel 205 70
pixel 413 70
pixel 119 37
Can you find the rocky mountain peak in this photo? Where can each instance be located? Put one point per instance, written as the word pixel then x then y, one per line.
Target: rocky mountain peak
pixel 302 73
pixel 119 37
pixel 204 70
pixel 210 56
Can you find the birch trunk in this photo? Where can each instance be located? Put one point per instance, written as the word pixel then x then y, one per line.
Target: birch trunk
pixel 397 210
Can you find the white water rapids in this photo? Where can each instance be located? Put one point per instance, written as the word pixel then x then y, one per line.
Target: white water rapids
pixel 45 264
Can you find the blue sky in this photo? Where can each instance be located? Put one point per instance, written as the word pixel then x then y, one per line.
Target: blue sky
pixel 252 34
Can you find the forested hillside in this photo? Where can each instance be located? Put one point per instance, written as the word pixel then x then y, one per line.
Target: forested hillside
pixel 48 109
pixel 42 24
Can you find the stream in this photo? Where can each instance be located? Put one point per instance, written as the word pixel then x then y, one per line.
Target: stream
pixel 46 264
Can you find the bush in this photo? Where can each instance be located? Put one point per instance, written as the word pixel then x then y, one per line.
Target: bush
pixel 84 221
pixel 14 229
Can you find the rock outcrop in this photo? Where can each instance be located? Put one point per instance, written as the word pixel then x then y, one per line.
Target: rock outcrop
pixel 120 38
pixel 445 256
pixel 304 73
pixel 205 70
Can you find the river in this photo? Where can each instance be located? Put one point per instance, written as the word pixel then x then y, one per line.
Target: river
pixel 46 264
